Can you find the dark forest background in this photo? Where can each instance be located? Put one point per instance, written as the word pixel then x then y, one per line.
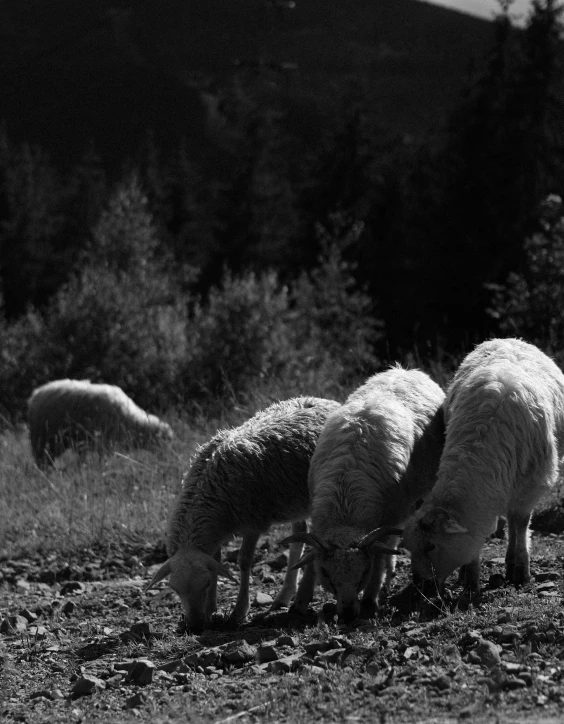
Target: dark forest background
pixel 198 197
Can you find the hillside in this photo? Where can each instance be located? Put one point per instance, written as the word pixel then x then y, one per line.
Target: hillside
pixel 109 71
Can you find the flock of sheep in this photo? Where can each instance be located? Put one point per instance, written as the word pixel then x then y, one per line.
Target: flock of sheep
pixel 398 458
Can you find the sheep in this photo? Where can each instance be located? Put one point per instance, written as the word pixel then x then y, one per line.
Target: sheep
pixel 504 415
pixel 376 455
pixel 82 415
pixel 242 481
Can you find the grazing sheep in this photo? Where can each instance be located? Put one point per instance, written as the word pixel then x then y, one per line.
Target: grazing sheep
pixel 376 455
pixel 79 414
pixel 504 415
pixel 241 482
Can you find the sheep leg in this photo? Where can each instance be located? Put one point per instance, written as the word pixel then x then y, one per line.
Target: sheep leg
pixel 305 591
pixel 517 559
pixel 245 559
pixel 211 596
pixel 383 569
pixel 290 584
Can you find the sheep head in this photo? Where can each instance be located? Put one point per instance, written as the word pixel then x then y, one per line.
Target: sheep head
pixel 344 569
pixel 438 543
pixel 193 575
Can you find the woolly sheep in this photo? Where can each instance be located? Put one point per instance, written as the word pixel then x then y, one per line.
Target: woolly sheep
pixel 504 416
pixel 376 455
pixel 241 482
pixel 66 413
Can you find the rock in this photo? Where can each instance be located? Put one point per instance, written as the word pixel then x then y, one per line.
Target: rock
pixel 285 665
pixel 496 580
pixel 72 587
pixel 278 563
pixel 441 682
pixel 287 640
pixel 135 701
pixel 239 652
pixel 141 672
pixel 265 654
pixel 332 656
pixel 85 685
pixel 37 632
pixel 487 653
pixel 547 586
pixel 547 576
pixel 29 616
pixel 69 608
pixel 513 682
pixel 114 682
pixel 22 584
pixel 43 694
pixel 263 599
pixel 451 654
pixel 170 666
pixel 13 625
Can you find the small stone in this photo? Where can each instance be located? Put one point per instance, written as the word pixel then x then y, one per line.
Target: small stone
pixel 265 654
pixel 441 682
pixel 547 576
pixel 239 652
pixel 287 640
pixel 85 685
pixel 170 666
pixel 22 584
pixel 135 701
pixel 141 672
pixel 114 682
pixel 411 652
pixel 29 616
pixel 513 682
pixel 487 653
pixel 285 665
pixel 333 656
pixel 72 587
pixel 37 632
pixel 263 599
pixel 69 608
pixel 496 580
pixel 278 563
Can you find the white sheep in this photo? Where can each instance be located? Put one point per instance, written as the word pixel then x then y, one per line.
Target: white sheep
pixel 81 415
pixel 504 416
pixel 376 455
pixel 241 482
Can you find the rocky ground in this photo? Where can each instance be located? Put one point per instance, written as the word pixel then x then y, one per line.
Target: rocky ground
pixel 80 641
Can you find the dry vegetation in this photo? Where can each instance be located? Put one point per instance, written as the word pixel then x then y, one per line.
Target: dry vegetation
pixel 78 543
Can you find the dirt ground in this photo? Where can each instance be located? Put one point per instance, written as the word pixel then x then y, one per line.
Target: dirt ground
pixel 81 641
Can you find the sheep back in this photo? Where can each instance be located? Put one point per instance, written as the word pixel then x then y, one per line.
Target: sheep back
pixel 378 452
pixel 249 477
pixel 77 413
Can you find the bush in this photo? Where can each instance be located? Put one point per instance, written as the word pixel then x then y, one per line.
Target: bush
pixel 531 304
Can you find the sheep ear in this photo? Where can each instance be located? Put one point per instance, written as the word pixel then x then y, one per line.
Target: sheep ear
pixel 308 557
pixel 438 520
pixel 219 569
pixel 309 539
pixel 453 526
pixel 163 572
pixel 434 519
pixel 377 534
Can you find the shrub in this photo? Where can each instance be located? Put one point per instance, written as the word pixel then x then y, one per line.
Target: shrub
pixel 531 304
